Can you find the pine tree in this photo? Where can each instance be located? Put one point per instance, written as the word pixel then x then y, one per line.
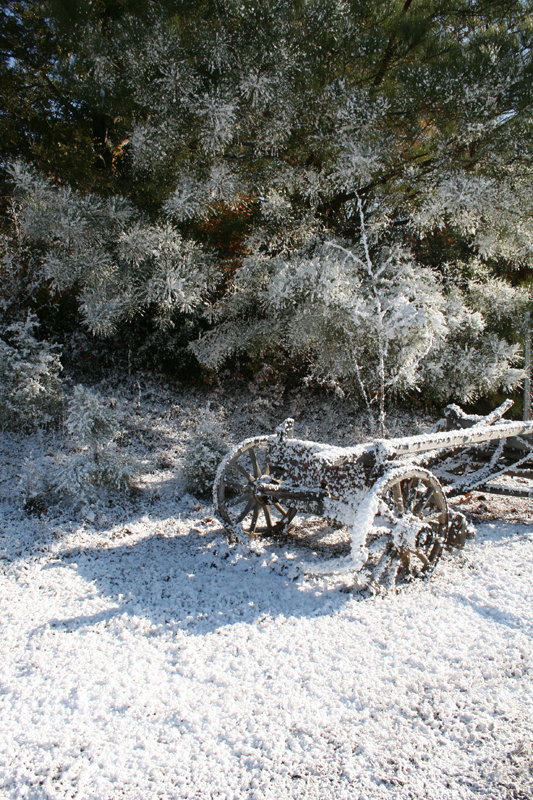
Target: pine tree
pixel 268 132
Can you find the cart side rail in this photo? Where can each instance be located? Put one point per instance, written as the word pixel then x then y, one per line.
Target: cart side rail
pixel 412 445
pixel 298 451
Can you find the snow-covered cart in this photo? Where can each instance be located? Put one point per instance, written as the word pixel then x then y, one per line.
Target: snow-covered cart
pixel 387 497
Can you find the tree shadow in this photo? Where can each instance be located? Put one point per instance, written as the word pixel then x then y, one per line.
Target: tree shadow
pixel 499 532
pixel 195 583
pixel 186 578
pixel 496 614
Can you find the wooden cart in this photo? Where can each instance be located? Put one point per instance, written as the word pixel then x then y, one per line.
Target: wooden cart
pixel 388 497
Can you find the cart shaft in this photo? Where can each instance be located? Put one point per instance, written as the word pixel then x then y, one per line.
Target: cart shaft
pixel 411 445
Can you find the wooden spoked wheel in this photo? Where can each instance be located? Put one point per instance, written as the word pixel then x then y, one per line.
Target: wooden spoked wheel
pixel 237 495
pixel 408 532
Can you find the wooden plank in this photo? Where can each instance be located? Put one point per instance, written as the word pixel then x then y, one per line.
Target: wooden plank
pixel 411 445
pixel 506 491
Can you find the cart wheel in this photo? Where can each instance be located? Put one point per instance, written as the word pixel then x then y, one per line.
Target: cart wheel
pixel 408 531
pixel 245 512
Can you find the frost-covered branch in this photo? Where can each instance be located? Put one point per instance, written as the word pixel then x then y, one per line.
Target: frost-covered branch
pixel 118 263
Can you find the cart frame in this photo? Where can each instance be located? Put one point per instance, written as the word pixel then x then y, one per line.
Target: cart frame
pixel 388 495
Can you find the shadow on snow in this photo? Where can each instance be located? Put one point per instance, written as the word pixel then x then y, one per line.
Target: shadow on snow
pixel 195 583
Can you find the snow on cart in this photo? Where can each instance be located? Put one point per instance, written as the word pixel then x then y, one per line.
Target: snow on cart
pixel 385 499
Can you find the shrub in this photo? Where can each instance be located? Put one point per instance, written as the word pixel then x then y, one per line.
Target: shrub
pixel 89 421
pixel 206 448
pixel 30 386
pixel 90 463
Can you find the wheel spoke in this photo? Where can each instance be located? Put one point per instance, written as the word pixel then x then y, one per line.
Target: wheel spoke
pixel 436 550
pixel 422 503
pixel 243 471
pixel 255 463
pixel 434 519
pixel 233 488
pixel 411 494
pixel 268 517
pixel 236 500
pixel 248 508
pixel 280 509
pixel 421 556
pixel 398 497
pixel 433 514
pixel 255 517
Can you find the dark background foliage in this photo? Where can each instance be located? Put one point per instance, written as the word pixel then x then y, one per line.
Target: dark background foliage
pixel 423 61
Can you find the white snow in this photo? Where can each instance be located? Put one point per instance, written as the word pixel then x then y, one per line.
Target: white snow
pixel 143 657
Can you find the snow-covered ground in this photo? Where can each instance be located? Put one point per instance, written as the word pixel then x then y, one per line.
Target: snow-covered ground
pixel 141 657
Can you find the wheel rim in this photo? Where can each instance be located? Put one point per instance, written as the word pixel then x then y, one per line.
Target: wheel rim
pixel 239 503
pixel 406 538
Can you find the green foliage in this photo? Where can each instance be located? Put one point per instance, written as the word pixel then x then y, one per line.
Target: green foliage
pixel 130 97
pixel 42 119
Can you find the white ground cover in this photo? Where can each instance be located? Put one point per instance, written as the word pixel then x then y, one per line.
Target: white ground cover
pixel 141 657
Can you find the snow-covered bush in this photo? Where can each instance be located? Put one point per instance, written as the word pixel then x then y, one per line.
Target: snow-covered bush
pixel 77 473
pixel 95 459
pixel 247 131
pixel 89 462
pixel 21 274
pixel 89 421
pixel 30 386
pixel 116 262
pixel 368 319
pixel 475 359
pixel 206 448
